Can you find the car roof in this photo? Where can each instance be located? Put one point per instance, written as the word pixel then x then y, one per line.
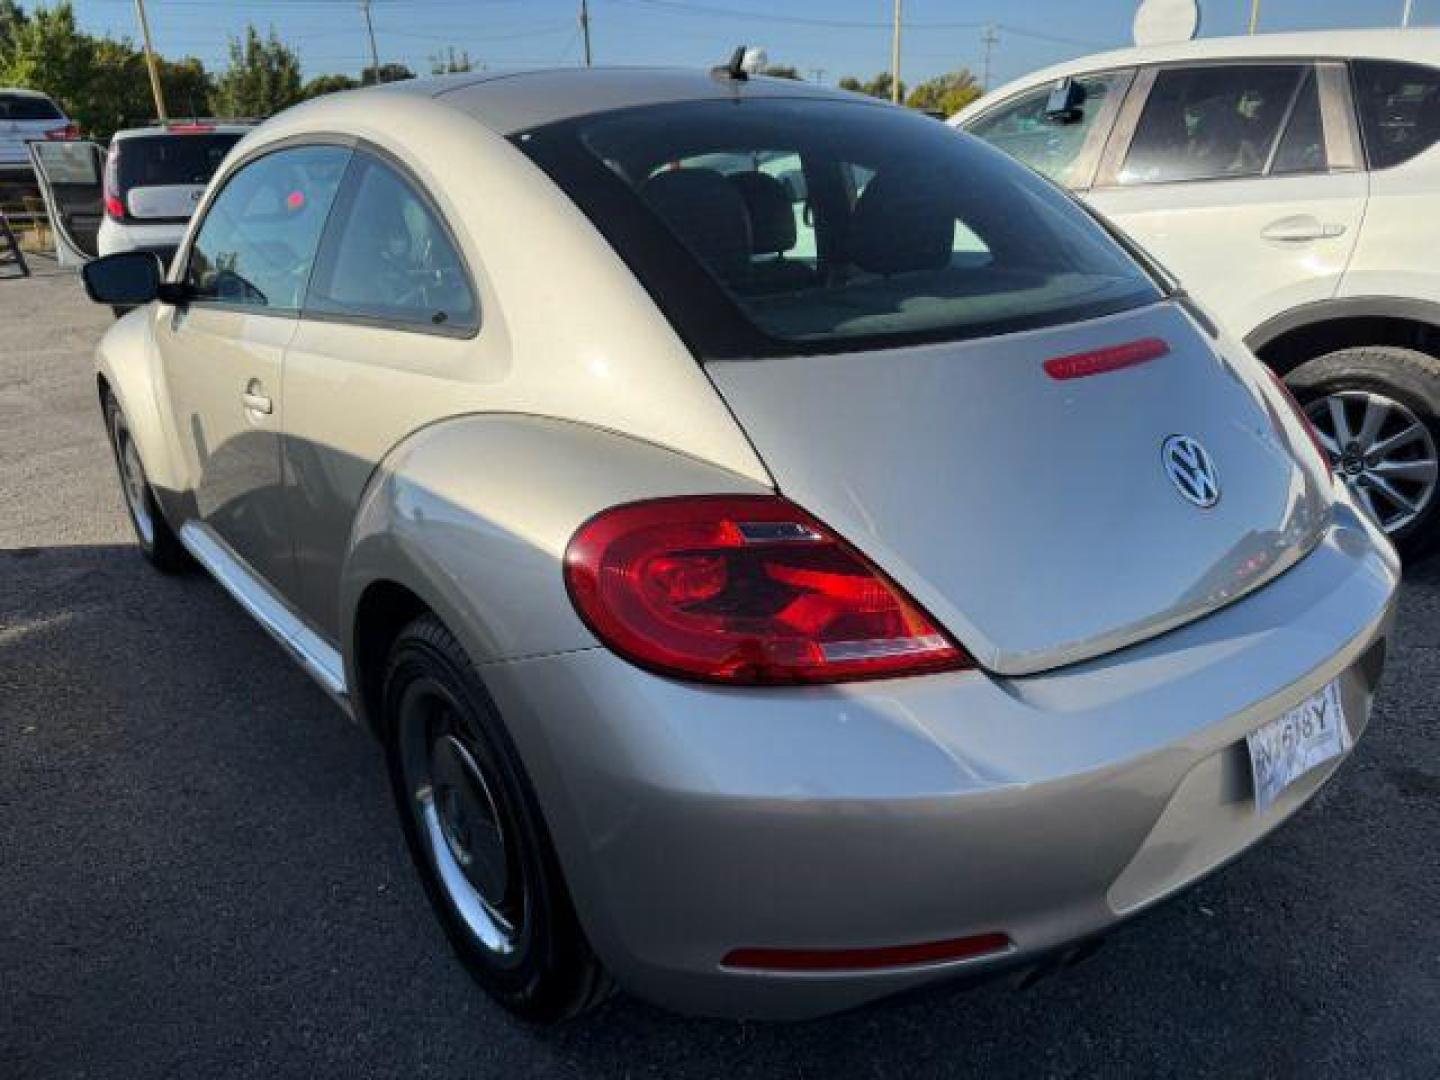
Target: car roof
pixel 511 101
pixel 1414 45
pixel 182 125
pixel 23 91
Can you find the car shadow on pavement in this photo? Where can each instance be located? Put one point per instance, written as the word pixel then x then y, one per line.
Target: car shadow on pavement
pixel 203 874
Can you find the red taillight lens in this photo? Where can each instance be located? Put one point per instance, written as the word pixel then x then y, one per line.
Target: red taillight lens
pixel 745 589
pixel 892 956
pixel 114 205
pixel 1111 358
pixel 1304 418
pixel 69 131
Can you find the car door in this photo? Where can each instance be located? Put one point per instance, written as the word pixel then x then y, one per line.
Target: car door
pixel 384 347
pixel 1243 179
pixel 70 175
pixel 222 350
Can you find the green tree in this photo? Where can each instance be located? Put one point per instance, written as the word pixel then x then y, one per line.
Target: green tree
pixel 263 77
pixel 947 94
pixel 12 16
pixel 389 72
pixel 327 84
pixel 47 52
pixel 878 87
pixel 449 62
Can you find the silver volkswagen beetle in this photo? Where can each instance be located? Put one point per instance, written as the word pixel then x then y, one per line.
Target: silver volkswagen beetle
pixel 790 552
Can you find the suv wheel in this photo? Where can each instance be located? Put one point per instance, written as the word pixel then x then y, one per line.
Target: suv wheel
pixel 158 542
pixel 476 833
pixel 1377 409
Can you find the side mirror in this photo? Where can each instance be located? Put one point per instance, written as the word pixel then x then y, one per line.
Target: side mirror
pixel 1063 106
pixel 127 279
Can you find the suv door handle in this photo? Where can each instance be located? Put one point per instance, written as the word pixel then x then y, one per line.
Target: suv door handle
pixel 1300 228
pixel 255 400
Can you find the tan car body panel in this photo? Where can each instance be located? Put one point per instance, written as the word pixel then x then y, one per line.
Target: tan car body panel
pixel 562 322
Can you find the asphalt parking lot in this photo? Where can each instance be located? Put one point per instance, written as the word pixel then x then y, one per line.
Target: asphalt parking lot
pixel 201 874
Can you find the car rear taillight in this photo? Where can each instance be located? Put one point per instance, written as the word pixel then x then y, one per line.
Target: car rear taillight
pixel 69 131
pixel 114 204
pixel 745 589
pixel 1304 418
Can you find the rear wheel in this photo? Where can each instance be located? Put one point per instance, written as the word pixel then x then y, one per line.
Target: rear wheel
pixel 477 836
pixel 157 541
pixel 1377 409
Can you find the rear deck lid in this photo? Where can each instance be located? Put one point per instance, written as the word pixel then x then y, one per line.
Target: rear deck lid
pixel 162 177
pixel 1042 516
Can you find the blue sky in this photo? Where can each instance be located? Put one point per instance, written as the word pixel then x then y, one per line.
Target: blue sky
pixel 839 36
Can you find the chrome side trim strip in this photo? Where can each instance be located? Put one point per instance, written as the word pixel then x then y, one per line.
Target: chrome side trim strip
pixel 316 656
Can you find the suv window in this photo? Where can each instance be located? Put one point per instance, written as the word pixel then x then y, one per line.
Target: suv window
pixel 1302 147
pixel 1049 146
pixel 28 107
pixel 388 258
pixel 160 160
pixel 257 243
pixel 1209 123
pixel 1399 106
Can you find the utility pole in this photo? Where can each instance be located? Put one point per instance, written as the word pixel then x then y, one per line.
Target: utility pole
pixel 990 38
pixel 1254 15
pixel 585 28
pixel 1405 17
pixel 818 74
pixel 150 62
pixel 370 29
pixel 895 58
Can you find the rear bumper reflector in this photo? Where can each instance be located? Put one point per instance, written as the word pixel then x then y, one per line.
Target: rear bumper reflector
pixel 1112 358
pixel 891 956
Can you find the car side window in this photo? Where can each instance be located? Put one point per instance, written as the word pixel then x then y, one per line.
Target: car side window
pixel 1048 145
pixel 1302 147
pixel 1399 106
pixel 256 246
pixel 1207 123
pixel 387 257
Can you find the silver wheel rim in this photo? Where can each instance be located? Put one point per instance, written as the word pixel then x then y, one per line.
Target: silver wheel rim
pixel 1382 451
pixel 462 823
pixel 132 480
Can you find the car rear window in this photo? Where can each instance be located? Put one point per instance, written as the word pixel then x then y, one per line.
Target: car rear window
pixel 1399 107
pixel 830 226
pixel 26 107
pixel 163 160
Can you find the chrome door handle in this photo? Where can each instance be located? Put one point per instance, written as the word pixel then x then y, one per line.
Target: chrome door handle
pixel 1300 228
pixel 257 402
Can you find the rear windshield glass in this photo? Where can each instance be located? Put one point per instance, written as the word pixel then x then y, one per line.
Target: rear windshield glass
pixel 824 225
pixel 25 107
pixel 160 160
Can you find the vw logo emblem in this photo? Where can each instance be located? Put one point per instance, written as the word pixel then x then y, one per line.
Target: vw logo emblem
pixel 1191 471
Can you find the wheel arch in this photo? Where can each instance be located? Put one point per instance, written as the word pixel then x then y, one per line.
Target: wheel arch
pixel 1303 333
pixel 469 518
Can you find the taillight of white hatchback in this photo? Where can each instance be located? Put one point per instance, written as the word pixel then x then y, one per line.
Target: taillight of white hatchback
pixel 745 589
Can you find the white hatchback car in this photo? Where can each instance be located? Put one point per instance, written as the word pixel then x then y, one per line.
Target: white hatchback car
pixel 1292 183
pixel 27 115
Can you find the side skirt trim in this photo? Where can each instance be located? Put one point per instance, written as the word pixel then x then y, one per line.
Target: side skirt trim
pixel 315 655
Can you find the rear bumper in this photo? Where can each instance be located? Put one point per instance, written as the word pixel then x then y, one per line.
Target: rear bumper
pixel 694 820
pixel 163 238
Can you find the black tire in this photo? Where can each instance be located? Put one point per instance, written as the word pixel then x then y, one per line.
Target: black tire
pixel 156 540
pixel 546 970
pixel 1406 377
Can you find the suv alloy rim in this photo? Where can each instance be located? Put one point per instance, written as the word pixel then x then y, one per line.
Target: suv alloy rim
pixel 1381 450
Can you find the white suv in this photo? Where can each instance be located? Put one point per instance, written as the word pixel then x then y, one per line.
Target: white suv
pixel 25 116
pixel 1292 183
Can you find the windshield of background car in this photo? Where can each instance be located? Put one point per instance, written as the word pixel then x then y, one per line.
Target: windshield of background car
pixel 828 226
pixel 161 160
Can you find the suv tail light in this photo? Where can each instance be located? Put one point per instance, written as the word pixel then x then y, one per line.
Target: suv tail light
pixel 745 589
pixel 114 204
pixel 69 131
pixel 1305 421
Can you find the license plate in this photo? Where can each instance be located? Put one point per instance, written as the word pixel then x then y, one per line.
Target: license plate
pixel 1289 746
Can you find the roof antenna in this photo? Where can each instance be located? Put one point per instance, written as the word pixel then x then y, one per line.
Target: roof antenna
pixel 735 68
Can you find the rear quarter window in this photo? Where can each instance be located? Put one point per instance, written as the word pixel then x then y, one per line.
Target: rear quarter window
pixel 1399 107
